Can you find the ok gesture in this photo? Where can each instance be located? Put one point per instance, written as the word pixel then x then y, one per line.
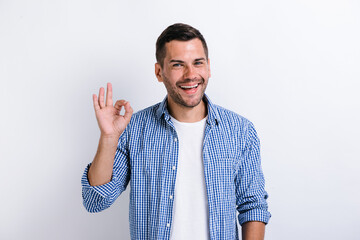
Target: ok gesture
pixel 110 121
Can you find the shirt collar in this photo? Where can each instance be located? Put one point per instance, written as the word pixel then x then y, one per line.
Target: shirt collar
pixel 212 117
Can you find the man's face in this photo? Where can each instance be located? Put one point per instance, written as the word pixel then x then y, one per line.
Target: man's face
pixel 185 72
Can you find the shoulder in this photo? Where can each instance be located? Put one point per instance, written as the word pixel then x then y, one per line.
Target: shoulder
pixel 230 118
pixel 145 120
pixel 234 123
pixel 233 128
pixel 144 114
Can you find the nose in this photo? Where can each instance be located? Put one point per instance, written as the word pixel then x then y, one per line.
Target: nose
pixel 190 72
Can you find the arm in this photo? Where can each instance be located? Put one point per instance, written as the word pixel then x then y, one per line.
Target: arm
pixel 100 171
pixel 108 175
pixel 111 125
pixel 253 230
pixel 250 186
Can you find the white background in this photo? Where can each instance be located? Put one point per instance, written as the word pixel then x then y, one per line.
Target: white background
pixel 291 67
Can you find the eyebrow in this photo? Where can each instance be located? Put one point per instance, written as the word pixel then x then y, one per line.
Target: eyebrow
pixel 177 61
pixel 180 61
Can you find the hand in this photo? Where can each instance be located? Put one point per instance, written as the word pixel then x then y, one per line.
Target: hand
pixel 110 122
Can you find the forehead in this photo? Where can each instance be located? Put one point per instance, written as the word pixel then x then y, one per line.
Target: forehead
pixel 185 49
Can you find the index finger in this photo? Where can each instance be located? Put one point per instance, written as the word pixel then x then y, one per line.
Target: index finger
pixel 109 101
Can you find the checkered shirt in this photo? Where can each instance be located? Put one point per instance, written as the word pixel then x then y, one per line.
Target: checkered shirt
pixel 147 157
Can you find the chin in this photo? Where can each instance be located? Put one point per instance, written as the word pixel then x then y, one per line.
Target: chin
pixel 192 103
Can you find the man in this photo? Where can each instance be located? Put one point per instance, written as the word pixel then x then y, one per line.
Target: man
pixel 191 164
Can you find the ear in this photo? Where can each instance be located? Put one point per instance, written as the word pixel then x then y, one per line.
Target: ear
pixel 209 67
pixel 158 72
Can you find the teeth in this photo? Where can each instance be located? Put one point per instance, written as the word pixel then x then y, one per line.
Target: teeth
pixel 188 87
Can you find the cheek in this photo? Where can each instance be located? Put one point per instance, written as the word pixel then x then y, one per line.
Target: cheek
pixel 168 82
pixel 174 76
pixel 205 73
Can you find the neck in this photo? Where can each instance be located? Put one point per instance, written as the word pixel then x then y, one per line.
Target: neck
pixel 187 114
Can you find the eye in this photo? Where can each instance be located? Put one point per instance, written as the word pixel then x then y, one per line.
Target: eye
pixel 198 63
pixel 176 65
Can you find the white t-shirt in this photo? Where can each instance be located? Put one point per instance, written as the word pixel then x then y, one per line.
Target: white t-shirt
pixel 190 211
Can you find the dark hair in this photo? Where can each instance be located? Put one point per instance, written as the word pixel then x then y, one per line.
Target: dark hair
pixel 180 32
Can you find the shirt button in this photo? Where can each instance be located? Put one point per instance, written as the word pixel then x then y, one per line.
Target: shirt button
pixel 168 225
pixel 171 196
pixel 173 167
pixel 175 139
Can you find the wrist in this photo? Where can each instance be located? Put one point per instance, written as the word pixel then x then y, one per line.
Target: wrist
pixel 109 137
pixel 108 140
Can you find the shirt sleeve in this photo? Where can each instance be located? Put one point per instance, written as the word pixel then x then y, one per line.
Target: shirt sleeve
pixel 98 198
pixel 250 184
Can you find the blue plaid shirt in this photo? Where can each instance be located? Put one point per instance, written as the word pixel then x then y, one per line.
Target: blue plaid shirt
pixel 147 156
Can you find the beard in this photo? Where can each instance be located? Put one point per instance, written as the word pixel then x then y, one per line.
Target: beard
pixel 174 92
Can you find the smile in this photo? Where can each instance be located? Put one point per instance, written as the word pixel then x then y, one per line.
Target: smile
pixel 189 87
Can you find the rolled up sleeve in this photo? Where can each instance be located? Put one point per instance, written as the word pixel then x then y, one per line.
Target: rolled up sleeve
pixel 98 198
